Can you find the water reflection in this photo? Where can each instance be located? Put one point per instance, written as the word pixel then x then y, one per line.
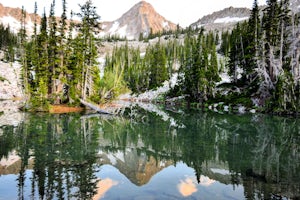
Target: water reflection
pixel 60 150
pixel 145 154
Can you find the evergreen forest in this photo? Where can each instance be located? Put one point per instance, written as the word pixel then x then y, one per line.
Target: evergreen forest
pixel 261 56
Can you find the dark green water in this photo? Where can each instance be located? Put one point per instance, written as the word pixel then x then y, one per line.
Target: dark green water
pixel 150 155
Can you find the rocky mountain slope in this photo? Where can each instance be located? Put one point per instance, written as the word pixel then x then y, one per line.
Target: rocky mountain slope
pixel 141 18
pixel 223 19
pixel 12 17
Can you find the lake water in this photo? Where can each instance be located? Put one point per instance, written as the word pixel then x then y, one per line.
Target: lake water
pixel 150 153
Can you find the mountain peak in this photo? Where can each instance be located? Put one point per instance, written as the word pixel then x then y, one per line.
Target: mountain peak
pixel 143 7
pixel 141 18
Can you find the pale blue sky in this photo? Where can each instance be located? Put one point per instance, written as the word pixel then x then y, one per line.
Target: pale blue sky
pixel 183 12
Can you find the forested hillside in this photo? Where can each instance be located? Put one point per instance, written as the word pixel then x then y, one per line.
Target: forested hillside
pixel 59 67
pixel 265 50
pixel 261 56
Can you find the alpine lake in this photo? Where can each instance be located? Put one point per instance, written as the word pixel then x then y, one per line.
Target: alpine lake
pixel 150 152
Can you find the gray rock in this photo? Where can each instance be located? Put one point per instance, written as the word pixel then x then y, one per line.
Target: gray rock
pixel 11 87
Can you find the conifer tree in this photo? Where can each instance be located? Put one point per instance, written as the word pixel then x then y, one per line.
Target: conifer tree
pixel 158 68
pixel 62 51
pixel 235 54
pixel 270 26
pixel 52 53
pixel 89 24
pixel 25 68
pixel 253 37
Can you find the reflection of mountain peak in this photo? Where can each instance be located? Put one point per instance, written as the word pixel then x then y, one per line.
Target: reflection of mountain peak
pixel 139 169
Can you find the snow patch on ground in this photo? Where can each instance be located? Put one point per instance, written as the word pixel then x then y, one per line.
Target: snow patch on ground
pixel 154 94
pixel 101 61
pixel 225 78
pixel 242 109
pixel 230 19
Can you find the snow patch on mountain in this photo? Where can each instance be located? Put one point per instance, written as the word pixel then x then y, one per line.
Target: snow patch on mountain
pixel 122 32
pixel 114 27
pixel 224 19
pixel 165 24
pixel 13 24
pixel 230 19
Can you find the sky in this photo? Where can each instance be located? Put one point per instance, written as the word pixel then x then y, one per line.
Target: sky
pixel 182 12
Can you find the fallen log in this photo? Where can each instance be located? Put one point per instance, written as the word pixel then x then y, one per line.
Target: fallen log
pixel 94 107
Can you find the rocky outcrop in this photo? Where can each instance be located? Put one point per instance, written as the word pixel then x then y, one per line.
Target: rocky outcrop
pixel 295 6
pixel 10 81
pixel 11 94
pixel 141 18
pixel 10 114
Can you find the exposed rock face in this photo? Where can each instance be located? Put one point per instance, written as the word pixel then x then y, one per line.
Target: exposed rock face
pixel 10 114
pixel 295 5
pixel 224 19
pixel 10 81
pixel 141 18
pixel 10 85
pixel 10 88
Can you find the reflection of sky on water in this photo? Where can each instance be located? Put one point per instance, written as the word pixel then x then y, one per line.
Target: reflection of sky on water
pixel 103 186
pixel 187 187
pixel 9 184
pixel 173 182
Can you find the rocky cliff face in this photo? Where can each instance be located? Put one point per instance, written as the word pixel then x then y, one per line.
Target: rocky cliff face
pixel 141 18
